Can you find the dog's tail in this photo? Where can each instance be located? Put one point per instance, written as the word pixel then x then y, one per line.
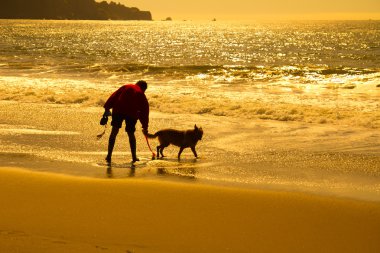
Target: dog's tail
pixel 152 136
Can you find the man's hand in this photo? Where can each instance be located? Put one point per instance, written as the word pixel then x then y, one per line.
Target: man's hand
pixel 107 113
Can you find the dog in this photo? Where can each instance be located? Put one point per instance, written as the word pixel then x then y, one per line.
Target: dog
pixel 182 139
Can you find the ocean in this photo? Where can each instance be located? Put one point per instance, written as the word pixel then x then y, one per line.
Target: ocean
pixel 284 105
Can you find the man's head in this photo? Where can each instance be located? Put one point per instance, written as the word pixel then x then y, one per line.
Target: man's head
pixel 142 84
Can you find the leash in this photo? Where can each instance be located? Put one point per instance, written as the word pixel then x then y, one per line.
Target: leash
pixel 99 136
pixel 147 142
pixel 103 121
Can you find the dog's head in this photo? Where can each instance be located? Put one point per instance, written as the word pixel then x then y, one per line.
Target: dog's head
pixel 198 132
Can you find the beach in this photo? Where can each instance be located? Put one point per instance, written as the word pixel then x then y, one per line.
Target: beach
pixel 45 212
pixel 289 160
pixel 57 198
pixel 332 160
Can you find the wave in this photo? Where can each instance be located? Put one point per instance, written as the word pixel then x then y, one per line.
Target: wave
pixel 216 73
pixel 280 103
pixel 237 70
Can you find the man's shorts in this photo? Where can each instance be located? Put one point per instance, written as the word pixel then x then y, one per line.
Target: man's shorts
pixel 130 123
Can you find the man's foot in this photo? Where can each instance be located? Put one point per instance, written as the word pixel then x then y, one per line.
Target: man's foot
pixel 135 159
pixel 108 159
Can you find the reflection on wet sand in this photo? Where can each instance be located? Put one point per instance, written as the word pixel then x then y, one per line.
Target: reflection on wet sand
pixel 171 169
pixel 184 173
pixel 110 172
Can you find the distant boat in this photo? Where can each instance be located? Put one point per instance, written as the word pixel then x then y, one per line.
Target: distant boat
pixel 214 19
pixel 168 19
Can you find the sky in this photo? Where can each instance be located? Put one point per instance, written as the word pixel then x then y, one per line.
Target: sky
pixel 258 9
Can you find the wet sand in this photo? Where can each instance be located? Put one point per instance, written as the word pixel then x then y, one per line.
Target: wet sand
pixel 261 186
pixel 43 212
pixel 323 159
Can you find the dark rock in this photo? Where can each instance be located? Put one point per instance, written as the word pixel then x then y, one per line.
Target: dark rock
pixel 69 9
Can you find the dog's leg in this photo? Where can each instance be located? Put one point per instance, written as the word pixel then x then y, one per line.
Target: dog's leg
pixel 162 146
pixel 162 151
pixel 180 152
pixel 194 152
pixel 158 151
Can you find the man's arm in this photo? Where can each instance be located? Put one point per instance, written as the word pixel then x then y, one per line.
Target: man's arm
pixel 144 113
pixel 111 100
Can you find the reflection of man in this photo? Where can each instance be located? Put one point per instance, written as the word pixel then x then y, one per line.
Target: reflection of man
pixel 128 104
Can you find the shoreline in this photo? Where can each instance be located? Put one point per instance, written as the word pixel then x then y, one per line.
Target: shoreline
pixel 187 175
pixel 286 156
pixel 45 212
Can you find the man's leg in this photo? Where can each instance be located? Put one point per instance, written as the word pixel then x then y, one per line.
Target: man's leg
pixel 132 144
pixel 130 128
pixel 111 142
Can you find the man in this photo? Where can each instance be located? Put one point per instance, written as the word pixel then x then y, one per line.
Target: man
pixel 128 104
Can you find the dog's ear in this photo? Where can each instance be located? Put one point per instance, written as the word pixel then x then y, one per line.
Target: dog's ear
pixel 195 127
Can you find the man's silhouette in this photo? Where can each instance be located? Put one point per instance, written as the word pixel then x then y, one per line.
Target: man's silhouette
pixel 128 104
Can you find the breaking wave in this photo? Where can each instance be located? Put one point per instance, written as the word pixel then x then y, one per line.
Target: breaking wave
pixel 281 102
